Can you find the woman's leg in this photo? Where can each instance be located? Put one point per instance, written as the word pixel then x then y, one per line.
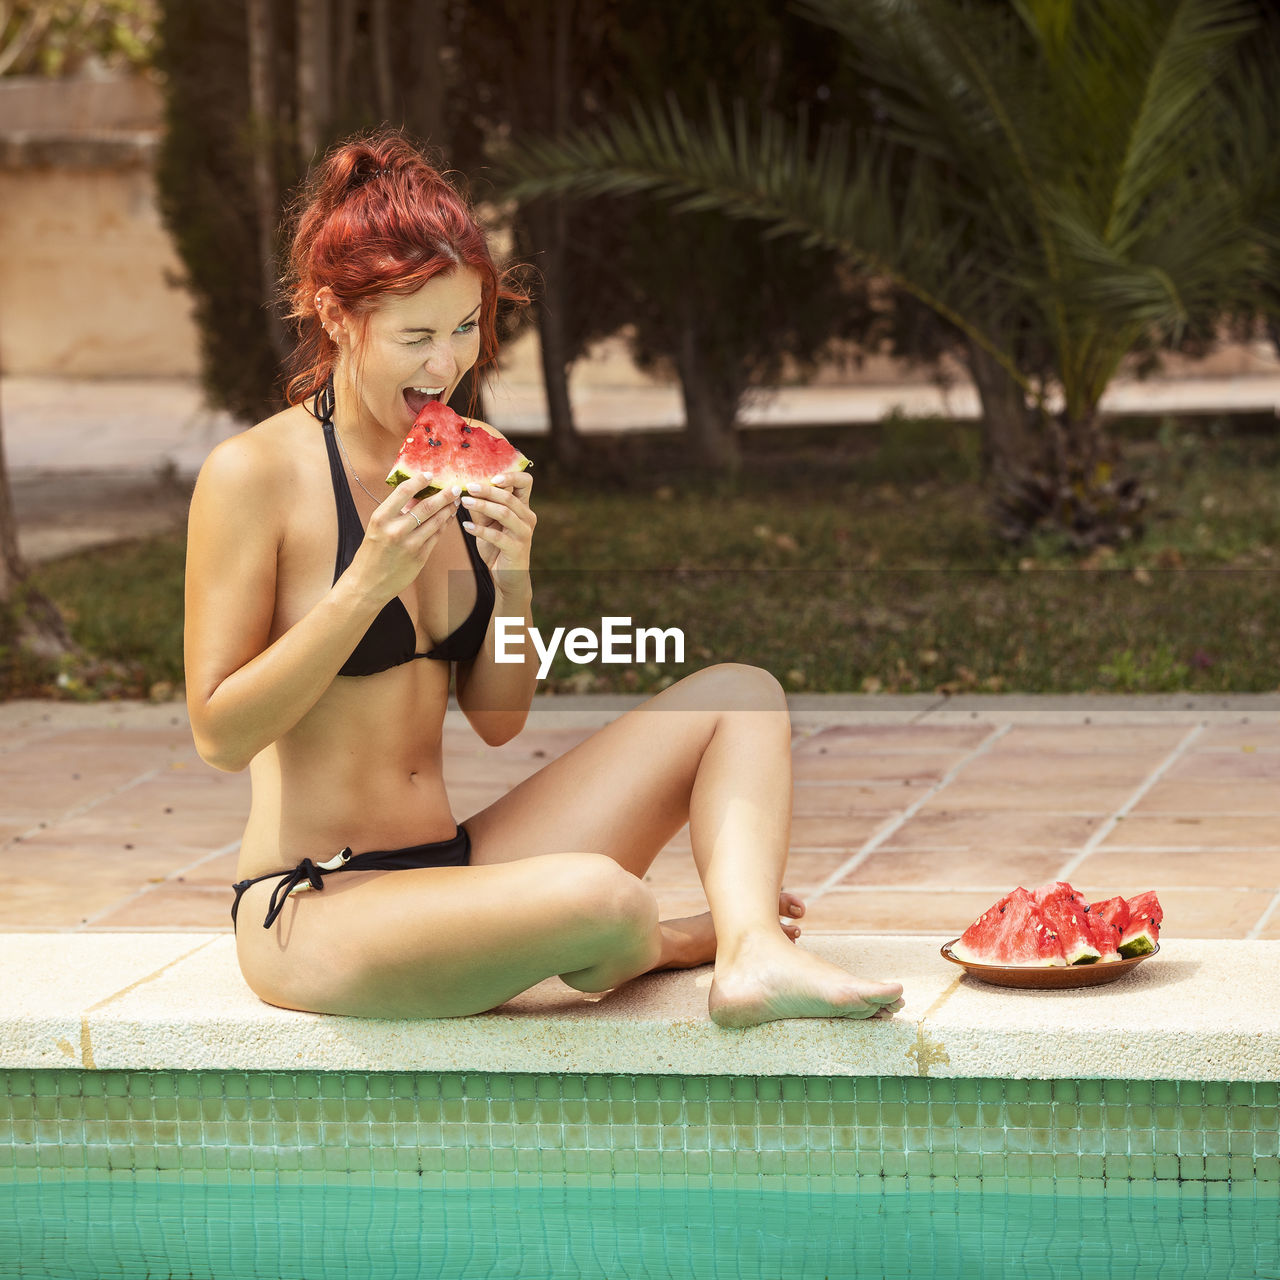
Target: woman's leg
pixel 440 942
pixel 713 750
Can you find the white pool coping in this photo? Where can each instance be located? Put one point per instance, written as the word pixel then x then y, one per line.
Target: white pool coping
pixel 1199 1010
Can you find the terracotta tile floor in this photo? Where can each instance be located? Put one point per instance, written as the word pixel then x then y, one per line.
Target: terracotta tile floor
pixel 902 822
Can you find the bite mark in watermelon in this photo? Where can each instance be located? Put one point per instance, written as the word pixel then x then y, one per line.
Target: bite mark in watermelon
pixel 454 451
pixel 1143 930
pixel 1012 932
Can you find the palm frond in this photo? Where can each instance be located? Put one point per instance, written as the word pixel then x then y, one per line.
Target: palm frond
pixel 832 191
pixel 1176 101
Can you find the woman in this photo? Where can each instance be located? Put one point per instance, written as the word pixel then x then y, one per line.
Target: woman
pixel 328 676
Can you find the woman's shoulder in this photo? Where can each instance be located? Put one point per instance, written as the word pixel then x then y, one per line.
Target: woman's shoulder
pixel 266 454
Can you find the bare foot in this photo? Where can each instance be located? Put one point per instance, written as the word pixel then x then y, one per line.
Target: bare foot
pixel 767 981
pixel 691 941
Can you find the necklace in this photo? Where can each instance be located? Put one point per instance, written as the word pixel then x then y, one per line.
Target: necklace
pixel 355 474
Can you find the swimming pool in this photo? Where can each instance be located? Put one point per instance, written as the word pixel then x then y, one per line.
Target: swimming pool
pixel 239 1174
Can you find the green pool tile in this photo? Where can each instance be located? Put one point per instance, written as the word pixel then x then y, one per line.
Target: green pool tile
pixel 670 1088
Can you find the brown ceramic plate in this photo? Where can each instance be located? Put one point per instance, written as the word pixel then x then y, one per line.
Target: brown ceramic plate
pixel 1053 978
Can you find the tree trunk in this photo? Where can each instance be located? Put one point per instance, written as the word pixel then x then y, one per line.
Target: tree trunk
pixel 468 396
pixel 566 445
pixel 550 226
pixel 262 132
pixel 380 30
pixel 13 570
pixel 1072 486
pixel 344 40
pixel 312 75
pixel 424 92
pixel 710 413
pixel 38 626
pixel 1007 440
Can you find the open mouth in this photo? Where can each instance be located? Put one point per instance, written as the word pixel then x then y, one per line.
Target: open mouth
pixel 417 398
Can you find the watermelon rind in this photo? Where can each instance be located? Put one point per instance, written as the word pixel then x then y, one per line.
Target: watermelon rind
pixel 399 475
pixel 1143 931
pixel 1139 945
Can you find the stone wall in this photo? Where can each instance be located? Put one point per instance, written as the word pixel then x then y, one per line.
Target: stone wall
pixel 89 279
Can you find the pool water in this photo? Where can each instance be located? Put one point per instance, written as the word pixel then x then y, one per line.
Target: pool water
pixel 129 1229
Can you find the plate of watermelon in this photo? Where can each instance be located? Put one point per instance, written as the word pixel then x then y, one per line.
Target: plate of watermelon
pixel 1053 937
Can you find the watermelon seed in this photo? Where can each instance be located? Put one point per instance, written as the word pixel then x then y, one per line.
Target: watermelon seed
pixel 466 444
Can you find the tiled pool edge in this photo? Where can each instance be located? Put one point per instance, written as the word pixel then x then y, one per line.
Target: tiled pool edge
pixel 1198 1011
pixel 491 1130
pixel 144 1059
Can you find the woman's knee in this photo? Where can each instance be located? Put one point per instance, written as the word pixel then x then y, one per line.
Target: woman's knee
pixel 603 900
pixel 739 686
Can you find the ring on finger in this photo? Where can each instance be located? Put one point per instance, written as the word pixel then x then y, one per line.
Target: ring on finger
pixel 415 515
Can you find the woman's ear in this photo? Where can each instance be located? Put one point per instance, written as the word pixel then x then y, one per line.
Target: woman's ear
pixel 332 317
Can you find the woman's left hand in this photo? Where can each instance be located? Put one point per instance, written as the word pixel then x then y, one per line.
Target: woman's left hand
pixel 499 515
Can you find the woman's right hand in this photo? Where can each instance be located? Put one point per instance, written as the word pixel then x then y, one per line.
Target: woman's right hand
pixel 401 536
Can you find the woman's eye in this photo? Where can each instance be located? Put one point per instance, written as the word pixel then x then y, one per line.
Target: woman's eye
pixel 467 326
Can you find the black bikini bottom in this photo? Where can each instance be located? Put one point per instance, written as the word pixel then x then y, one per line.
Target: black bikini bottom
pixel 454 852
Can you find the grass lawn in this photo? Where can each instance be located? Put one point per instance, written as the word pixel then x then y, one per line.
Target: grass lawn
pixel 849 559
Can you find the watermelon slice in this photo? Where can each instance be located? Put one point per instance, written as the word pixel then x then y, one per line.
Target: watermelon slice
pixel 1054 925
pixel 1143 930
pixel 1107 923
pixel 1013 932
pixel 454 451
pixel 1065 912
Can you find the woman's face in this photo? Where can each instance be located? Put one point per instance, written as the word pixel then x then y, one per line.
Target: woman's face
pixel 416 348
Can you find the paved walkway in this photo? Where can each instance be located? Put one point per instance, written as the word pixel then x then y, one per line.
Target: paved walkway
pixel 911 814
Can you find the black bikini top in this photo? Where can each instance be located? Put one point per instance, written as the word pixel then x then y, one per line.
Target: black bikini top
pixel 392 638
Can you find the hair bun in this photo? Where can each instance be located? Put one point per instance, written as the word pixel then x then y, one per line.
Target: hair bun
pixel 365 169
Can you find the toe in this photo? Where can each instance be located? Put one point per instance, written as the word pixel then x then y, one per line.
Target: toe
pixel 789 904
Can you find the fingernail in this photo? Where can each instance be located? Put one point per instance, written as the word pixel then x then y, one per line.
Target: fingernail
pixel 794 909
pixel 499 480
pixel 468 502
pixel 457 489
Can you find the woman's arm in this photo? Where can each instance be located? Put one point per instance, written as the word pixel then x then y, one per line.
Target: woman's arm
pixel 244 691
pixel 496 696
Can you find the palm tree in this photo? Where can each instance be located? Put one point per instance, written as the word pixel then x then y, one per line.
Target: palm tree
pixel 1065 183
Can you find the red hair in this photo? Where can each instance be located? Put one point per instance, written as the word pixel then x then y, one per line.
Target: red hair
pixel 376 217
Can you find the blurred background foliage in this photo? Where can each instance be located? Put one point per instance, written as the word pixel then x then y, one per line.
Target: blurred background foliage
pixel 1051 190
pixel 1066 187
pixel 1048 190
pixel 70 37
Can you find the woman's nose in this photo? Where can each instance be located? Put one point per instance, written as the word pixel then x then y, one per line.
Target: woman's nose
pixel 441 365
